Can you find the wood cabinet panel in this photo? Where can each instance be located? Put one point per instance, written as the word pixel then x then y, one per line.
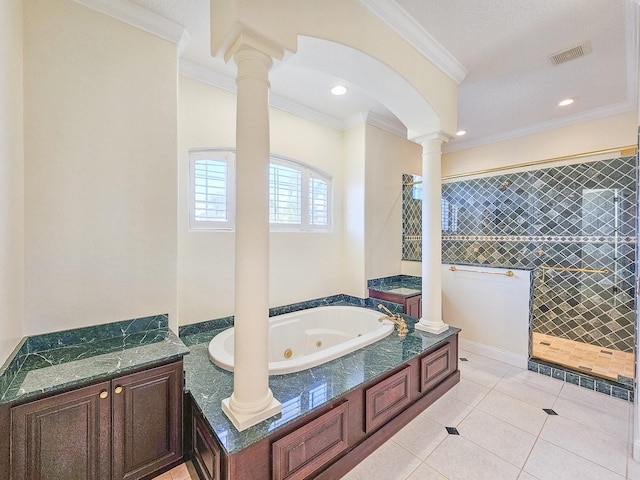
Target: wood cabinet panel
pixel 65 436
pixel 300 453
pixel 206 454
pixel 413 306
pixel 126 428
pixel 436 366
pixel 147 427
pixel 386 398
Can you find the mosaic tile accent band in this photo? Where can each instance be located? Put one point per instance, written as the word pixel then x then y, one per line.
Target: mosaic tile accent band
pixel 580 216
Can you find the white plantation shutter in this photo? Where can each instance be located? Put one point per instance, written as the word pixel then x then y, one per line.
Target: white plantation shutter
pixel 211 193
pixel 299 195
pixel 285 195
pixel 318 201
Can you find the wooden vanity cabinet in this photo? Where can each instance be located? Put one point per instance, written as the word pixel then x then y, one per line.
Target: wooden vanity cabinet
pixel 125 428
pixel 411 306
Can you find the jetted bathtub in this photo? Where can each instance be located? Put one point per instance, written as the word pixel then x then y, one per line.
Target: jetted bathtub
pixel 307 338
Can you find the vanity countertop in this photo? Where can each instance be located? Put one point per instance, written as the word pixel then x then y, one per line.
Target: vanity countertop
pixel 302 392
pixel 57 361
pixel 401 285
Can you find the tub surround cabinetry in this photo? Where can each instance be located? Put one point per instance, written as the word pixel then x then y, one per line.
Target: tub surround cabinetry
pixel 334 415
pixel 101 402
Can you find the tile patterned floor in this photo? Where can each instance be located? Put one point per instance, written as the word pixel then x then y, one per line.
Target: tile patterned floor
pixel 591 359
pixel 504 433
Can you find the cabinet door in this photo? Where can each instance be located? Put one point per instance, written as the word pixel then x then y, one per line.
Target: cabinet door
pixel 387 398
pixel 66 436
pixel 413 306
pixel 436 366
pixel 147 423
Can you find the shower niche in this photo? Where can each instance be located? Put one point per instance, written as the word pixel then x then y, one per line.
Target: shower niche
pixel 574 227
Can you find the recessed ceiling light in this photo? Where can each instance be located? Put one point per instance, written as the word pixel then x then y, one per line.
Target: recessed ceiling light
pixel 339 90
pixel 460 133
pixel 565 102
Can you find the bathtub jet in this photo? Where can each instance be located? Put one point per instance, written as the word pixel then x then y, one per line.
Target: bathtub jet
pixel 304 339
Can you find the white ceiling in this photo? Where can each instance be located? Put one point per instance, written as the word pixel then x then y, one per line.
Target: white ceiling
pixel 510 88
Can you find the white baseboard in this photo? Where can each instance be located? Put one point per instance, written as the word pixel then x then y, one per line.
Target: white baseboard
pixel 509 358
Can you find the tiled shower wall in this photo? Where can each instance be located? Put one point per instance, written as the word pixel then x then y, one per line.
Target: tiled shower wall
pixel 579 216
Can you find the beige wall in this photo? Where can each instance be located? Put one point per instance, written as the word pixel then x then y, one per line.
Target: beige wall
pixel 388 156
pixel 11 178
pixel 303 265
pixel 354 240
pixel 100 169
pixel 605 133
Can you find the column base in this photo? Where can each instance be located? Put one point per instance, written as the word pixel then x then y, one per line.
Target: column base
pixel 242 421
pixel 431 327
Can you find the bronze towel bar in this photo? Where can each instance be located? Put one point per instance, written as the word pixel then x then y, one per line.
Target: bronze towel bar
pixel 508 273
pixel 566 269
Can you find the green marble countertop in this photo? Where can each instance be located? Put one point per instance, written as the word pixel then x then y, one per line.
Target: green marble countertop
pixel 74 358
pixel 302 392
pixel 401 285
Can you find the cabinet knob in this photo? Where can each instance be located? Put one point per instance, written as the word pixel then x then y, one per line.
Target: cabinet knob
pixel 118 390
pixel 104 394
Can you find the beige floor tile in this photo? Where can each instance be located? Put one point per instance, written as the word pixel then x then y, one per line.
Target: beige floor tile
pixel 448 411
pixel 459 459
pixel 506 441
pixel 550 462
pixel 488 378
pixel 594 416
pixel 587 442
pixel 526 476
pixel 164 476
pixel 614 406
pixel 390 461
pixel 425 472
pixel 551 385
pixel 513 411
pixel 527 392
pixel 421 436
pixel 468 392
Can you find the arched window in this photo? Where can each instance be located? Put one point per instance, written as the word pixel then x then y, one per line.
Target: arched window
pixel 299 195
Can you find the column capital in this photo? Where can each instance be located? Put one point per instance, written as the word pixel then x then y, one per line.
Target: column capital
pixel 432 137
pixel 251 41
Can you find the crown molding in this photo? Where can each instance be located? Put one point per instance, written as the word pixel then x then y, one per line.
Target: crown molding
pixel 586 116
pixel 299 110
pixel 413 33
pixel 141 18
pixel 205 75
pixel 391 125
pixel 225 82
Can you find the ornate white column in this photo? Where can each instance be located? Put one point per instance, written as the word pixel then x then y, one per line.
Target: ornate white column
pixel 252 400
pixel 431 320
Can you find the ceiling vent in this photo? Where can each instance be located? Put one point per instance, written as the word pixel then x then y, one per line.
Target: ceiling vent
pixel 570 54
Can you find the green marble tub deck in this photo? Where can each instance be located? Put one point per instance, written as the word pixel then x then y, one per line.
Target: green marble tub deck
pixel 60 360
pixel 302 392
pixel 403 285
